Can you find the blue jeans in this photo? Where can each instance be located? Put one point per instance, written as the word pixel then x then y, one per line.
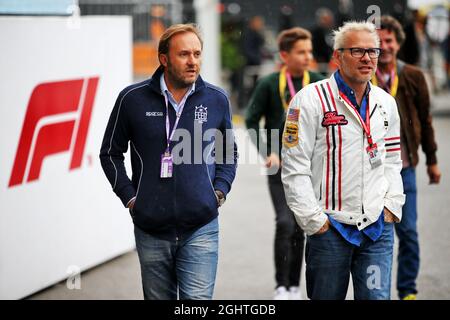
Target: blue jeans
pixel 330 260
pixel 185 269
pixel 408 249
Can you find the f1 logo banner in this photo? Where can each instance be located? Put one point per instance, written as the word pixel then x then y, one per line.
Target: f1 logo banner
pixel 57 120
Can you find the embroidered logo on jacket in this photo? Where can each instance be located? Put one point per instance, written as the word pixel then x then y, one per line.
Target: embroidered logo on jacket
pixel 332 118
pixel 290 135
pixel 293 115
pixel 201 114
pixel 154 114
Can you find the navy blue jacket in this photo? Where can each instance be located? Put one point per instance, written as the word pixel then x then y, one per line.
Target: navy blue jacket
pixel 170 208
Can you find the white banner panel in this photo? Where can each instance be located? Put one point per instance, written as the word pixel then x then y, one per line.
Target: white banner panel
pixel 58 83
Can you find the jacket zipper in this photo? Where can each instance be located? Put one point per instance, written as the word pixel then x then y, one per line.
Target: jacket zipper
pixel 175 189
pixel 175 205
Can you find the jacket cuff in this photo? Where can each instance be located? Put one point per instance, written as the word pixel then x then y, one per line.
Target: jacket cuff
pixel 222 185
pixel 315 224
pixel 129 201
pixel 394 207
pixel 431 158
pixel 126 194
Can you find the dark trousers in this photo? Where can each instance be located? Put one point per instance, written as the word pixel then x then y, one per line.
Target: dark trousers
pixel 289 238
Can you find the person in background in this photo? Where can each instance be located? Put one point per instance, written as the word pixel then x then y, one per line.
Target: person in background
pixel 269 101
pixel 253 42
pixel 407 84
pixel 322 38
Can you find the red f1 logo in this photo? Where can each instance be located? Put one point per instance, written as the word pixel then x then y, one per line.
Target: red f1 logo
pixel 57 120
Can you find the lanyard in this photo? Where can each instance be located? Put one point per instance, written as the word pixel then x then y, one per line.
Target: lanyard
pixel 285 78
pixel 290 84
pixel 394 81
pixel 169 135
pixel 365 125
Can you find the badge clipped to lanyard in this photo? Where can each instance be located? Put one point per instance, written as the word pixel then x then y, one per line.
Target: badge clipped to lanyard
pixel 372 148
pixel 166 157
pixel 374 154
pixel 166 165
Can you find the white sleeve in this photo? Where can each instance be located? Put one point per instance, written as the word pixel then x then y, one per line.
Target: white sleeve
pixel 299 137
pixel 394 198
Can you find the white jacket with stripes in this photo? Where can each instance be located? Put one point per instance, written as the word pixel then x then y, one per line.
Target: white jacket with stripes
pixel 326 167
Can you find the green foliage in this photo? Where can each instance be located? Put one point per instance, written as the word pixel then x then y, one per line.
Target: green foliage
pixel 231 57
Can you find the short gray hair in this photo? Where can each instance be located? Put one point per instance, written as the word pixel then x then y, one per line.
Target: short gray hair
pixel 340 34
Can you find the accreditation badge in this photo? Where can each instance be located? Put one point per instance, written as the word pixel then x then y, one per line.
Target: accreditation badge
pixel 374 155
pixel 166 165
pixel 290 134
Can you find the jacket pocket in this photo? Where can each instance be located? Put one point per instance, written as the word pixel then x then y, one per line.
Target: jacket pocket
pixel 196 198
pixel 315 235
pixel 212 187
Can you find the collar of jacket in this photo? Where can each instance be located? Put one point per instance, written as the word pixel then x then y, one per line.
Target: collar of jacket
pixel 373 99
pixel 154 81
pixel 344 88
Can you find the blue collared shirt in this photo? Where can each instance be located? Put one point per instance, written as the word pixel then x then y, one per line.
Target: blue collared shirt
pixel 345 89
pixel 165 90
pixel 350 232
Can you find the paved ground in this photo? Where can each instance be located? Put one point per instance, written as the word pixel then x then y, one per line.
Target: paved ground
pixel 247 228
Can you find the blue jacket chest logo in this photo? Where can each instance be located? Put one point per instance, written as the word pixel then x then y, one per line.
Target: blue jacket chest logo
pixel 201 114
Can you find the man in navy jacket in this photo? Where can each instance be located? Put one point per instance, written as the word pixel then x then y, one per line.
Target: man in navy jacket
pixel 183 158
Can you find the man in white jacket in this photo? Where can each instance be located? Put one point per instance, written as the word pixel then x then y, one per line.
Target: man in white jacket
pixel 341 172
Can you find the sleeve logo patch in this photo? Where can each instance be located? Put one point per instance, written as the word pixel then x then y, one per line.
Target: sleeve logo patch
pixel 290 135
pixel 332 118
pixel 293 115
